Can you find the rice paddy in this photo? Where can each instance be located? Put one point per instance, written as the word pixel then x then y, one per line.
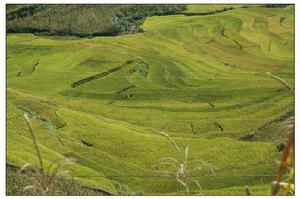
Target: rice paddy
pixel 202 79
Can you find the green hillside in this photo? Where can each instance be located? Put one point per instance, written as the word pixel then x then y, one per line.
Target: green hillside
pixel 84 20
pixel 202 79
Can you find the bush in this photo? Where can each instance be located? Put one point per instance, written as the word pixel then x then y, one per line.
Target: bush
pixel 16 181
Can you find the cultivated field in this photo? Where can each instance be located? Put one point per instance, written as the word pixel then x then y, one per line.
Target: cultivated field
pixel 206 80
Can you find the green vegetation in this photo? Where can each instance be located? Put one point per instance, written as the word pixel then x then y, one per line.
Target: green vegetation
pixel 83 20
pixel 205 80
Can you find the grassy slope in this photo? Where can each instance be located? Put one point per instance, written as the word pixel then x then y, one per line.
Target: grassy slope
pixel 192 73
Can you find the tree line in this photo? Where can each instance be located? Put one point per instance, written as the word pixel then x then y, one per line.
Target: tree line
pixel 83 20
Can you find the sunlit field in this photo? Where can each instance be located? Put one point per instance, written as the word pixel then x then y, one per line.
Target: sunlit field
pixel 207 81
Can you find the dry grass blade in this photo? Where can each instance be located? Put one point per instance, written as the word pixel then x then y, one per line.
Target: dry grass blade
pixel 29 168
pixel 167 159
pixel 197 183
pixel 281 81
pixel 54 172
pixel 62 163
pixel 52 164
pixel 289 186
pixel 284 163
pixel 288 124
pixel 181 164
pixel 288 153
pixel 156 165
pixel 186 157
pixel 199 164
pixel 172 141
pixel 181 182
pixel 66 173
pixel 35 144
pixel 29 187
pixel 247 189
pixel 48 176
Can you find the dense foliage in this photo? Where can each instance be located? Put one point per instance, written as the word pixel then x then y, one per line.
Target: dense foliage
pixel 83 20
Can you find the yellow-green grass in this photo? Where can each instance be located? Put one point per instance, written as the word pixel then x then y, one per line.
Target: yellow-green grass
pixel 199 78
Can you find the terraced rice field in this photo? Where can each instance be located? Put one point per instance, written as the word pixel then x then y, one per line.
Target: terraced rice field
pixel 201 79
